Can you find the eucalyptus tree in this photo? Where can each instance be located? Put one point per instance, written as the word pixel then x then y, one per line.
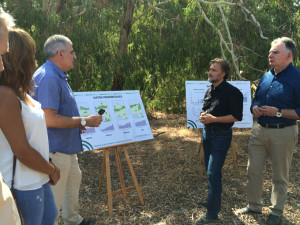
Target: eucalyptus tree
pixel 131 7
pixel 154 46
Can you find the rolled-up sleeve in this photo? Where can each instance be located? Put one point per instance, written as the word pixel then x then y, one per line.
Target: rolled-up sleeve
pixel 236 104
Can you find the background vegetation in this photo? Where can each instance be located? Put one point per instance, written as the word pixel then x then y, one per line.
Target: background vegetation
pixel 155 46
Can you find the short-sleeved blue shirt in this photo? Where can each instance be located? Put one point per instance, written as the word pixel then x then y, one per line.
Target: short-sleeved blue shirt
pixel 281 91
pixel 54 92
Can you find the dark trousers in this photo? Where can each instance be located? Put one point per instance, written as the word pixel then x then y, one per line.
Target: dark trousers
pixel 216 143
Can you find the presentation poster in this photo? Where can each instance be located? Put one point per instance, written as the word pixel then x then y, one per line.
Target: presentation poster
pixel 195 91
pixel 124 120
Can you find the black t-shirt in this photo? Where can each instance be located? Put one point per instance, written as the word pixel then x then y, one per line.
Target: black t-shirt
pixel 223 100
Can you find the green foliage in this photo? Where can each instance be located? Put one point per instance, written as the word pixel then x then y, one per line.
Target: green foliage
pixel 165 48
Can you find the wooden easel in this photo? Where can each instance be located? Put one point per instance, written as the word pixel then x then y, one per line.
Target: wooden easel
pixel 106 167
pixel 233 160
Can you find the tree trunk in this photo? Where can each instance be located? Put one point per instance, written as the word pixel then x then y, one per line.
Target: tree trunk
pixel 60 5
pixel 125 29
pixel 53 6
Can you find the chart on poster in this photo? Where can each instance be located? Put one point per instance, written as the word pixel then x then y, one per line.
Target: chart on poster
pixel 195 91
pixel 124 120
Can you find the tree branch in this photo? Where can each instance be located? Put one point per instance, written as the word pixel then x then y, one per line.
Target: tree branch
pixel 222 42
pixel 222 50
pixel 229 46
pixel 234 59
pixel 261 71
pixel 244 10
pixel 218 3
pixel 140 16
pixel 155 8
pixel 256 23
pixel 296 3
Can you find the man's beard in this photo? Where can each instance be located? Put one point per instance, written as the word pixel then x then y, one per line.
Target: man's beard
pixel 213 81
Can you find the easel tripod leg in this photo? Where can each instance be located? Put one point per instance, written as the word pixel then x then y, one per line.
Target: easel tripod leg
pixel 108 179
pixel 121 177
pixel 136 185
pixel 102 175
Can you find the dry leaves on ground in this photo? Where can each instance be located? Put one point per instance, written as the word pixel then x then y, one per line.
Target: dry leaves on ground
pixel 168 172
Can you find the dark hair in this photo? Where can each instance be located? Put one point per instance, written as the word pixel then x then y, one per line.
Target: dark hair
pixel 224 66
pixel 19 63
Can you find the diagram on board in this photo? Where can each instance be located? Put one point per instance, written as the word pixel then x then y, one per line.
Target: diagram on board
pixel 121 115
pixel 137 113
pixel 124 119
pixel 195 91
pixel 84 111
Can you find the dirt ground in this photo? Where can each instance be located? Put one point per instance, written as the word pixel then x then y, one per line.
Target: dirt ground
pixel 168 172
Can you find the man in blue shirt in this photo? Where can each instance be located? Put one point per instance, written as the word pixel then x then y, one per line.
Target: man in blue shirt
pixel 64 123
pixel 276 106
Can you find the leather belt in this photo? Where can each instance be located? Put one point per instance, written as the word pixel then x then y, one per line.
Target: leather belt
pixel 215 127
pixel 276 125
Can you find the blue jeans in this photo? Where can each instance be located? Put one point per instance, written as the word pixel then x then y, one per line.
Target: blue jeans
pixel 216 143
pixel 37 206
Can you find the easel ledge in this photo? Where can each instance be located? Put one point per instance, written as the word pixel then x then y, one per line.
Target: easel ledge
pixel 106 167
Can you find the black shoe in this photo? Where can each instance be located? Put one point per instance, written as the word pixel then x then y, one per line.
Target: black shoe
pixel 246 210
pixel 202 203
pixel 274 220
pixel 206 220
pixel 88 221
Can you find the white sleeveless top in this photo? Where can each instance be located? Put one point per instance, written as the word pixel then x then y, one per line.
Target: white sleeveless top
pixel 36 132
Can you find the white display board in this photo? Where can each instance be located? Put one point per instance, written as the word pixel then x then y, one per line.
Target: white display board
pixel 195 91
pixel 124 120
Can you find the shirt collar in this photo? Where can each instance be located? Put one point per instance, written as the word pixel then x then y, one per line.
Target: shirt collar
pixel 220 86
pixel 282 71
pixel 63 75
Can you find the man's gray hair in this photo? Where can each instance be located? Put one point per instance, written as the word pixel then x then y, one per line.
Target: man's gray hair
pixel 55 43
pixel 5 20
pixel 290 45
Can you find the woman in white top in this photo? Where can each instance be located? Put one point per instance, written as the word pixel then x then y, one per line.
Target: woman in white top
pixel 23 133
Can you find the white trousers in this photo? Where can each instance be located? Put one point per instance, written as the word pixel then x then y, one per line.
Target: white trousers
pixel 66 191
pixel 8 210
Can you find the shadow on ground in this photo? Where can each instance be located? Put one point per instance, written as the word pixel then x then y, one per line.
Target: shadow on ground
pixel 168 172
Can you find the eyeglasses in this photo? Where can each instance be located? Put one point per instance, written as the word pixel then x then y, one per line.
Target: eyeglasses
pixel 71 52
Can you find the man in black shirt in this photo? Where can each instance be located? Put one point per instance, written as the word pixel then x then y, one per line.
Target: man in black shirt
pixel 223 105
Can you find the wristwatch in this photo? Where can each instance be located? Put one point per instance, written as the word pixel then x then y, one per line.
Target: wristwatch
pixel 83 121
pixel 279 113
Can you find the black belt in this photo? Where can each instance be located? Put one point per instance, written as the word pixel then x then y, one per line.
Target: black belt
pixel 276 125
pixel 215 127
